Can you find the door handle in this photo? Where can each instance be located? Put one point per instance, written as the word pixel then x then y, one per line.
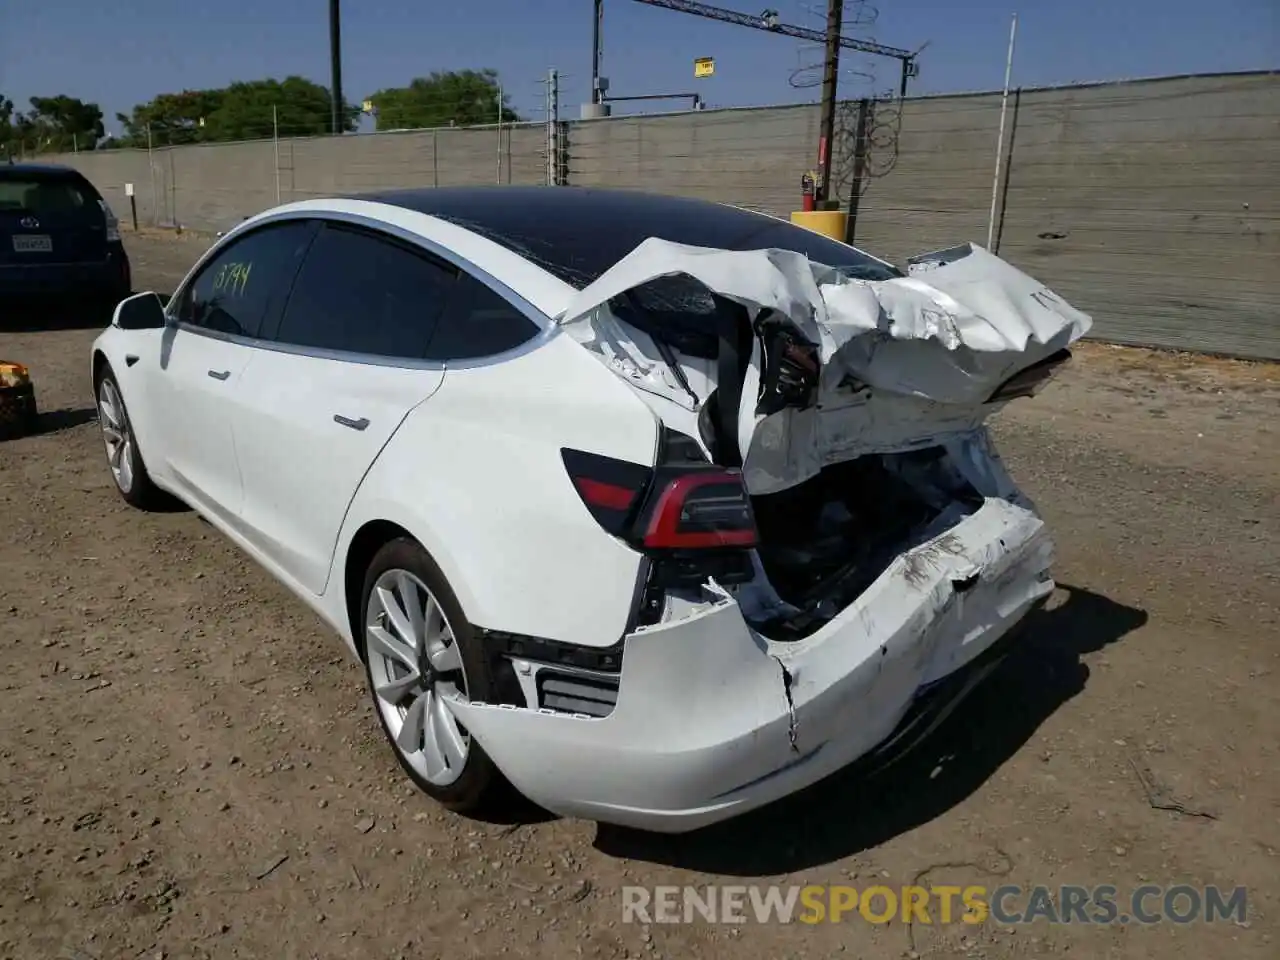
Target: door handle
pixel 348 422
pixel 219 374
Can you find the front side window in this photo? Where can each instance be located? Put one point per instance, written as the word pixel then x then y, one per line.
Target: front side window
pixel 359 292
pixel 244 286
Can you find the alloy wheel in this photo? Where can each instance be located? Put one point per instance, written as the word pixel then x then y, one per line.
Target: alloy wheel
pixel 116 434
pixel 415 667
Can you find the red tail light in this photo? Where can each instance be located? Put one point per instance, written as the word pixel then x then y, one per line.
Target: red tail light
pixel 611 489
pixel 682 504
pixel 698 510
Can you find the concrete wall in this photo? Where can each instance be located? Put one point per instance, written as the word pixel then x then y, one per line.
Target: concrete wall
pixel 213 186
pixel 1154 205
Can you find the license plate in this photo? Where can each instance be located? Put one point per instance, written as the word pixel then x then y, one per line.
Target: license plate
pixel 33 243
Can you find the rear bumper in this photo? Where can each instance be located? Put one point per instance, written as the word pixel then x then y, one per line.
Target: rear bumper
pixel 713 719
pixel 101 277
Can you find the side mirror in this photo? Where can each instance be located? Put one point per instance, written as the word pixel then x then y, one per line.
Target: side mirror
pixel 142 311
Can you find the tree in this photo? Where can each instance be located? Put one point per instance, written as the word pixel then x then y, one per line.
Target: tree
pixel 52 125
pixel 456 98
pixel 6 126
pixel 242 111
pixel 173 118
pixel 303 109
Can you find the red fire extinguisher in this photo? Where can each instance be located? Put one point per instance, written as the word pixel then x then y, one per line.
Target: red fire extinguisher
pixel 808 191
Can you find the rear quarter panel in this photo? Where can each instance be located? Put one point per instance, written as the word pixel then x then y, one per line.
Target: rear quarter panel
pixel 475 474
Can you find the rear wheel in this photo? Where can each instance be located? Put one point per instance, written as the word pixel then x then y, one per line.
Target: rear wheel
pixel 123 456
pixel 421 654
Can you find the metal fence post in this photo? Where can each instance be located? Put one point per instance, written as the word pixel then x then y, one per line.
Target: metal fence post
pixel 275 140
pixel 1004 106
pixel 173 190
pixel 499 179
pixel 860 138
pixel 553 128
pixel 151 169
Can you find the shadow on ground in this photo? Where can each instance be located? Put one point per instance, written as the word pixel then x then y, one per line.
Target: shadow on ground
pixel 850 812
pixel 53 421
pixel 34 317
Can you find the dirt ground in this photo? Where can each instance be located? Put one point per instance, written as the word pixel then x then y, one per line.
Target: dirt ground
pixel 190 766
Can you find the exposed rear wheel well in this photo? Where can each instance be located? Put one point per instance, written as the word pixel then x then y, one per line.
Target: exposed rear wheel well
pixel 368 540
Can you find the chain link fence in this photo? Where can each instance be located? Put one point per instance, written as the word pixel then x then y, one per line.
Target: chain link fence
pixel 1154 205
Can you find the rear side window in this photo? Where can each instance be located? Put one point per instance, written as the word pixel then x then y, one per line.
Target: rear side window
pixel 242 289
pixel 48 194
pixel 480 323
pixel 362 293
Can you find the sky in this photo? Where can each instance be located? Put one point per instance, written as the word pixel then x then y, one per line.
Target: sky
pixel 125 52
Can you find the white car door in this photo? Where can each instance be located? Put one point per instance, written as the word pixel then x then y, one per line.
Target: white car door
pixel 196 383
pixel 343 371
pixel 193 390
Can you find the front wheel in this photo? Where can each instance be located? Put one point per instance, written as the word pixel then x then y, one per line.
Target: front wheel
pixel 421 653
pixel 123 456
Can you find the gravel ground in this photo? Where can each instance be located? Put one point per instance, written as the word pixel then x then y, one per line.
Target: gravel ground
pixel 190 766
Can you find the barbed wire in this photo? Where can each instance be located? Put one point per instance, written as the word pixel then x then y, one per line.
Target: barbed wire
pixel 858 17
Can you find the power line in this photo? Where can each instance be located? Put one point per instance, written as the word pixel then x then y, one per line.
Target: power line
pixel 768 21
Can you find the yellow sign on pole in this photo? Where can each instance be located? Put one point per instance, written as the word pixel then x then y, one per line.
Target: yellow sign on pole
pixel 704 67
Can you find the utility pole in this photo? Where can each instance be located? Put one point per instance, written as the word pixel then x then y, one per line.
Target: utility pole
pixel 335 64
pixel 830 74
pixel 596 27
pixel 832 41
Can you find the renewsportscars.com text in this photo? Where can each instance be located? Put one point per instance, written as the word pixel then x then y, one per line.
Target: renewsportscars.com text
pixel 1007 905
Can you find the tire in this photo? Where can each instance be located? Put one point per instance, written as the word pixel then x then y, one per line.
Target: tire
pixel 468 785
pixel 123 456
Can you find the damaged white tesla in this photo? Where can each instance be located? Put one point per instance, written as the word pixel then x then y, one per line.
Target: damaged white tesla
pixel 658 509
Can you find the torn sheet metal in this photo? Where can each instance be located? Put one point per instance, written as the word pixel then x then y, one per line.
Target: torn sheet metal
pixel 713 719
pixel 971 297
pixel 932 346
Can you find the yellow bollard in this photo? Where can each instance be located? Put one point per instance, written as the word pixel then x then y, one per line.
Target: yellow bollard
pixel 829 223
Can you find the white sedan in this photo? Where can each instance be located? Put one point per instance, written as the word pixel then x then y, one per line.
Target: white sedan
pixel 658 509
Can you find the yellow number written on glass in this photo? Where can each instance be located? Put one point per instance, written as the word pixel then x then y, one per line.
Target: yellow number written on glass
pixel 232 279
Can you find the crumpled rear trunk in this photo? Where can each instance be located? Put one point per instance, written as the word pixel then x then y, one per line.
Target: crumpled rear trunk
pixel 855 409
pixel 812 368
pixel 825 541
